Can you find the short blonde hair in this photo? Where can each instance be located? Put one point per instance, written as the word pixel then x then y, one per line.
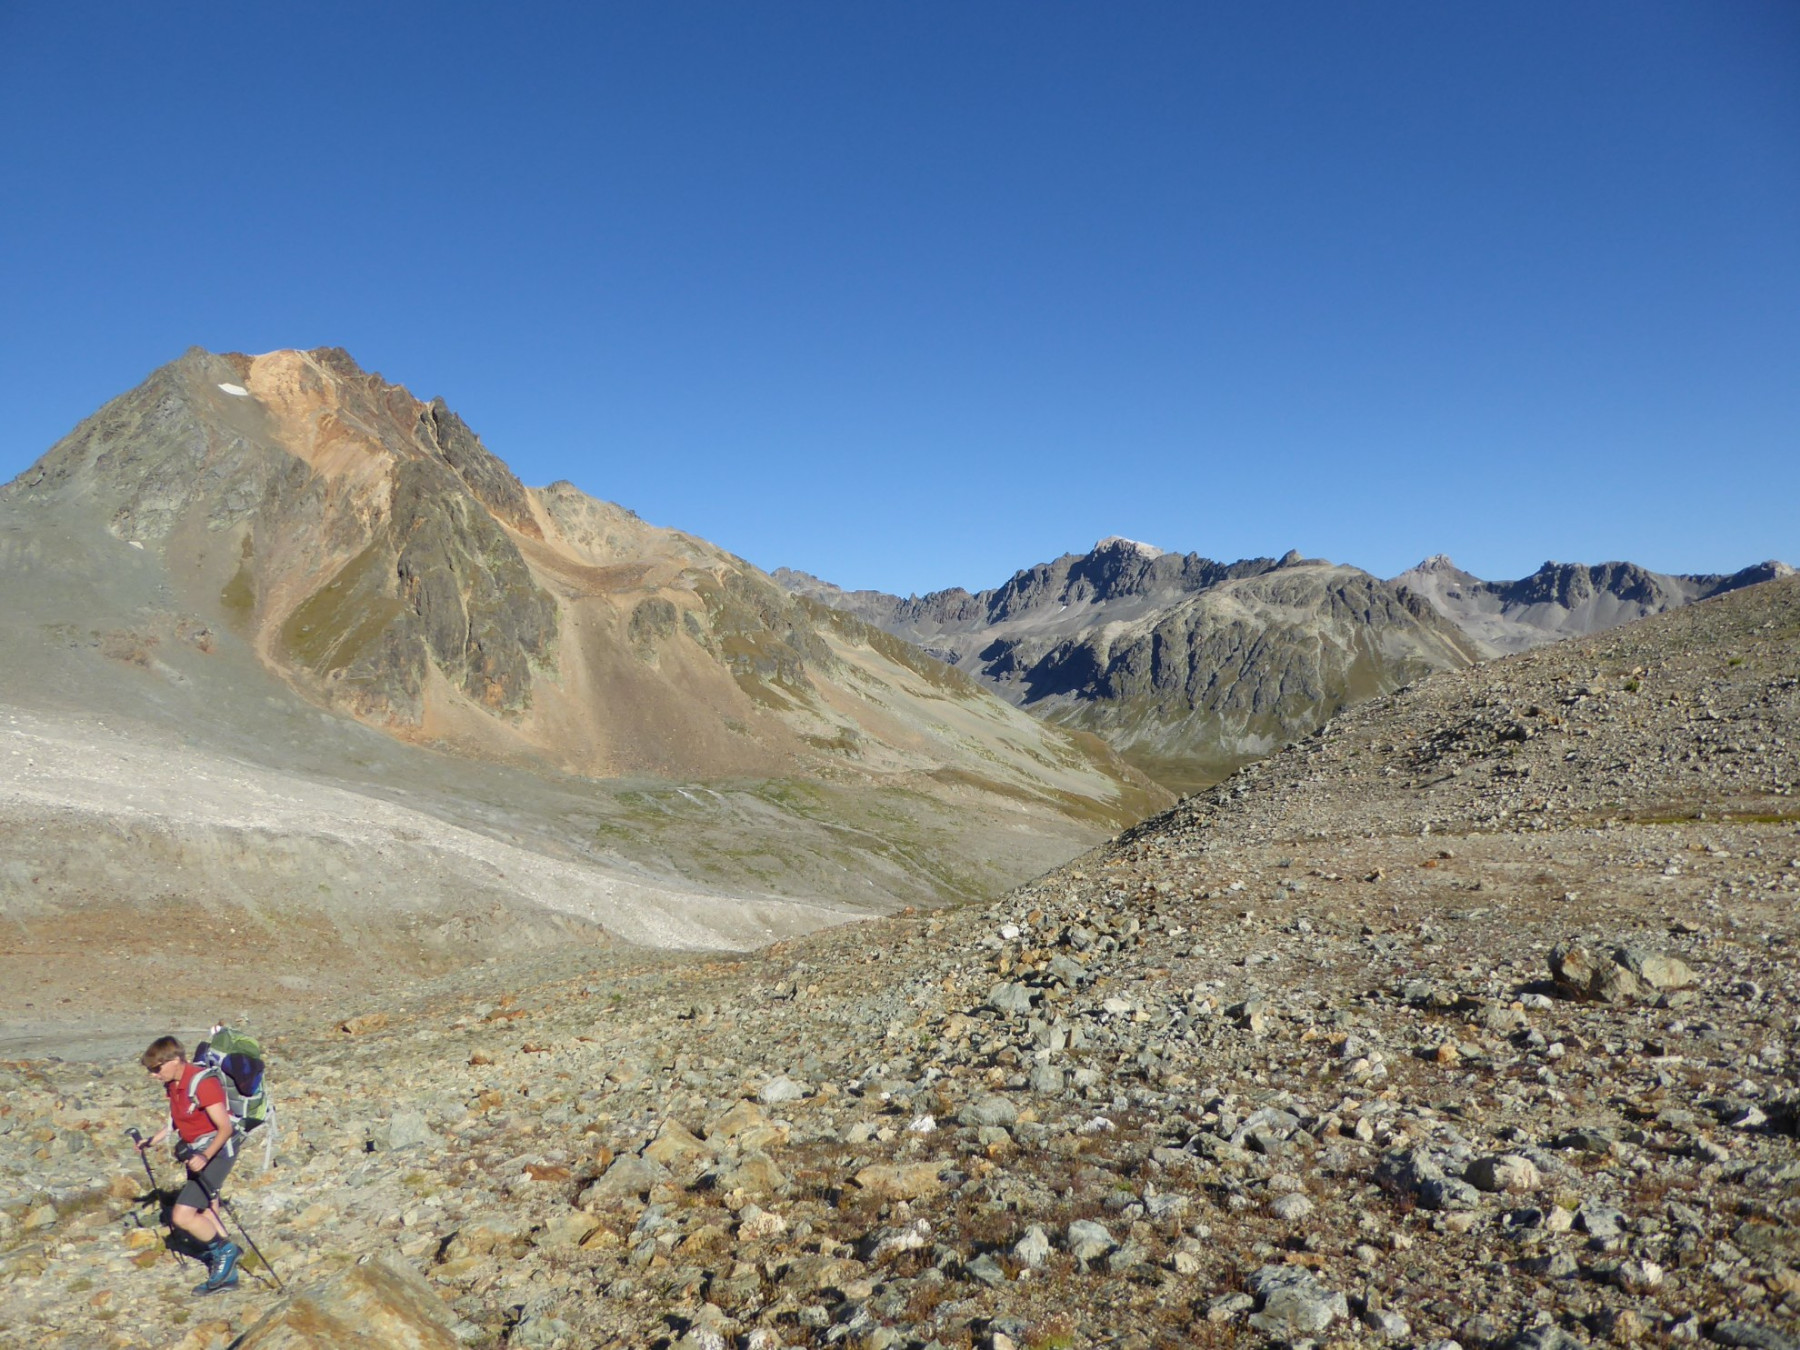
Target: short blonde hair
pixel 161 1051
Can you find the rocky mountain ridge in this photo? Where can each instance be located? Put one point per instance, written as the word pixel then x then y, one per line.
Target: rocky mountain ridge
pixel 1186 666
pixel 1564 599
pixel 1191 667
pixel 1126 577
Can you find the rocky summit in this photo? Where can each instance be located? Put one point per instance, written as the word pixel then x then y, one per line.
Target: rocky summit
pixel 1468 1020
pixel 371 551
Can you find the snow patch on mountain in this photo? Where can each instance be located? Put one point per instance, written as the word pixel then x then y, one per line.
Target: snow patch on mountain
pixel 1120 542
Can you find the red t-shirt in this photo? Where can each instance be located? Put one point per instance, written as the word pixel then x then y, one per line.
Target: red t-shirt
pixel 191 1121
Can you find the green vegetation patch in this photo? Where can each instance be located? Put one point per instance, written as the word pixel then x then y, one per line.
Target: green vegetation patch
pixel 803 838
pixel 1185 774
pixel 760 692
pixel 239 595
pixel 343 618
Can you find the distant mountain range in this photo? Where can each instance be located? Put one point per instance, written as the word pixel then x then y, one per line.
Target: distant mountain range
pixel 1191 667
pixel 1562 600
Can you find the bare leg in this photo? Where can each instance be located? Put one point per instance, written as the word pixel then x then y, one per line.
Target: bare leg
pixel 199 1224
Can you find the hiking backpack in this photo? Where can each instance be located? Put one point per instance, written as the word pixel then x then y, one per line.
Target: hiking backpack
pixel 236 1061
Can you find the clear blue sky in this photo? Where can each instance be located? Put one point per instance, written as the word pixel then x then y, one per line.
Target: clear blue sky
pixel 914 294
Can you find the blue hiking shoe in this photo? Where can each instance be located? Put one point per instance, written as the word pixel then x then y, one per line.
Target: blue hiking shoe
pixel 221 1267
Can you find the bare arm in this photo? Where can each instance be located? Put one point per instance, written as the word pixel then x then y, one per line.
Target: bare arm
pixel 222 1126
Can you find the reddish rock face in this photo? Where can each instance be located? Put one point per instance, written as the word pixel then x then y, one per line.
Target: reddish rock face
pixel 369 536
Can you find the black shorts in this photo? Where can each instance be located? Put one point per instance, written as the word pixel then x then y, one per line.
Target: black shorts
pixel 193 1195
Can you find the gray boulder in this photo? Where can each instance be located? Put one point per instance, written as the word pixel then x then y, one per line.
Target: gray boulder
pixel 1742 1335
pixel 1662 973
pixel 1294 1303
pixel 1014 1000
pixel 781 1089
pixel 1033 1249
pixel 989 1110
pixel 1087 1240
pixel 407 1129
pixel 629 1178
pixel 380 1302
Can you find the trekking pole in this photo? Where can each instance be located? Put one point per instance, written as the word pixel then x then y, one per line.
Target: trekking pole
pixel 214 1201
pixel 143 1157
pixel 138 1140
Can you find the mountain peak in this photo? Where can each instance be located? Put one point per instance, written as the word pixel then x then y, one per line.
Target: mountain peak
pixel 1437 562
pixel 1118 543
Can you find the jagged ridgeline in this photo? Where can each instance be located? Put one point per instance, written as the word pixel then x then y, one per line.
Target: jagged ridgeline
pixel 255 551
pixel 1562 600
pixel 1237 671
pixel 1186 666
pixel 1191 668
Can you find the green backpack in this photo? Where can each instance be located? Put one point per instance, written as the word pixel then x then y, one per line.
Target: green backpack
pixel 236 1061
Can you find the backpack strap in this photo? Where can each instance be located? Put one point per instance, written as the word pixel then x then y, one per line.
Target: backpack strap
pixel 193 1090
pixel 193 1087
pixel 231 1143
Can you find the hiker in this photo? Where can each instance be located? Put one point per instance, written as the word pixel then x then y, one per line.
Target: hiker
pixel 207 1142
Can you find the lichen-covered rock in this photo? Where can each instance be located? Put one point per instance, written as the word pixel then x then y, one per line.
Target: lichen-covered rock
pixel 380 1302
pixel 992 1109
pixel 1656 969
pixel 1088 1240
pixel 901 1181
pixel 675 1144
pixel 1574 968
pixel 753 1173
pixel 1294 1303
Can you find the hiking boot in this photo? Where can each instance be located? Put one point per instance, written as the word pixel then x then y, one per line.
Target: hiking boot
pixel 214 1286
pixel 221 1266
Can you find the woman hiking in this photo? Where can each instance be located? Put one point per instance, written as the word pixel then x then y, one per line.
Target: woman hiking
pixel 207 1144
